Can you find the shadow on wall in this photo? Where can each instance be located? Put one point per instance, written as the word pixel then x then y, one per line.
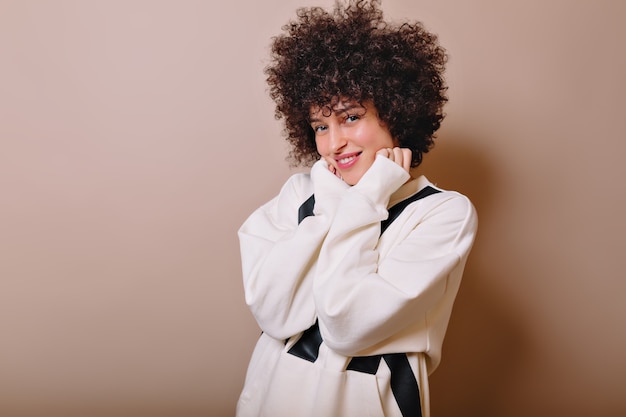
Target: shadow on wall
pixel 485 343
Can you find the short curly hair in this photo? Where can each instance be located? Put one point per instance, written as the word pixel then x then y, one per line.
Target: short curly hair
pixel 353 54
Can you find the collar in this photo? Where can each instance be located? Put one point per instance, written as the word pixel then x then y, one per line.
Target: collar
pixel 409 188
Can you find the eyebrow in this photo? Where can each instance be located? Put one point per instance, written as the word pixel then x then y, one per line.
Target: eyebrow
pixel 343 109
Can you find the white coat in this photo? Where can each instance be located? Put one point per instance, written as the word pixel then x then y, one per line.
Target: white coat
pixel 368 294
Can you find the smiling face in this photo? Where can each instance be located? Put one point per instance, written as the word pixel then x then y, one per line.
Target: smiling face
pixel 348 137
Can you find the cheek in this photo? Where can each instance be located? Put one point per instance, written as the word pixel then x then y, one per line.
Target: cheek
pixel 322 149
pixel 380 141
pixel 375 138
pixel 385 139
pixel 385 142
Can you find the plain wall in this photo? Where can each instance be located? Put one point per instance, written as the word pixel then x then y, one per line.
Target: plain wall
pixel 137 135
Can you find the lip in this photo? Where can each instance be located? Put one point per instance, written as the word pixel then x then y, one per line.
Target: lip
pixel 347 160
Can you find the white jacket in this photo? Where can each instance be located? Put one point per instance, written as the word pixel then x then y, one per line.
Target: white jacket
pixel 369 293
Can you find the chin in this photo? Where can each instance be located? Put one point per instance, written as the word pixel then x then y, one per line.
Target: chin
pixel 352 181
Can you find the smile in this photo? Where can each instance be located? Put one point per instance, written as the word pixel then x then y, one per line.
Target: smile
pixel 347 160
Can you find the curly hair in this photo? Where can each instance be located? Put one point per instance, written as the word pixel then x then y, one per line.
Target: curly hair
pixel 353 54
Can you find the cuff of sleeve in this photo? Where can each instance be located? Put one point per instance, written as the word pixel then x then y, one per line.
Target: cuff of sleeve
pixel 327 187
pixel 382 179
pixel 324 181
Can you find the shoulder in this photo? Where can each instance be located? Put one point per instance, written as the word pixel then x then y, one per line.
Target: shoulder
pixel 452 210
pixel 438 194
pixel 443 204
pixel 453 199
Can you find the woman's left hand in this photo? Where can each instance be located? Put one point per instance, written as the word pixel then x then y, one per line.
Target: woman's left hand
pixel 401 156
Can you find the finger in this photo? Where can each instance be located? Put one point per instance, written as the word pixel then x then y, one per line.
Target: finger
pixel 333 169
pixel 397 155
pixel 407 158
pixel 383 152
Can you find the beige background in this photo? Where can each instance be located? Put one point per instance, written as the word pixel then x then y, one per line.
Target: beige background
pixel 136 136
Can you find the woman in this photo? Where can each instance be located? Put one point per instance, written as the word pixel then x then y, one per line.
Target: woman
pixel 352 270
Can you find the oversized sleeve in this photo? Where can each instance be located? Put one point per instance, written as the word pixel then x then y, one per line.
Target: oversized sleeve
pixel 278 254
pixel 363 299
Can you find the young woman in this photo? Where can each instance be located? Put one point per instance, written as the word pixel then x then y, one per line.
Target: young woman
pixel 352 270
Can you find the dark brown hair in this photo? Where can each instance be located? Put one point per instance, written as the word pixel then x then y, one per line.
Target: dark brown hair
pixel 351 53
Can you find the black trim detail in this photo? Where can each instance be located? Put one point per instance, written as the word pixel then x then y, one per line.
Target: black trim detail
pixel 395 211
pixel 404 385
pixel 308 346
pixel 365 364
pixel 306 209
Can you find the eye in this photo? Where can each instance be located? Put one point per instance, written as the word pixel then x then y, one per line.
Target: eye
pixel 319 128
pixel 353 115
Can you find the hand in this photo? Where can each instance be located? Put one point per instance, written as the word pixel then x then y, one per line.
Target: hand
pixel 401 156
pixel 332 168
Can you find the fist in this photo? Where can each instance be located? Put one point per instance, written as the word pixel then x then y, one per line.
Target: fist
pixel 401 156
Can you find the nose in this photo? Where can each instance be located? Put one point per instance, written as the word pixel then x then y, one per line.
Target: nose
pixel 336 139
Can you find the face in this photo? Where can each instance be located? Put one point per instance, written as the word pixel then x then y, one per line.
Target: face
pixel 349 136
